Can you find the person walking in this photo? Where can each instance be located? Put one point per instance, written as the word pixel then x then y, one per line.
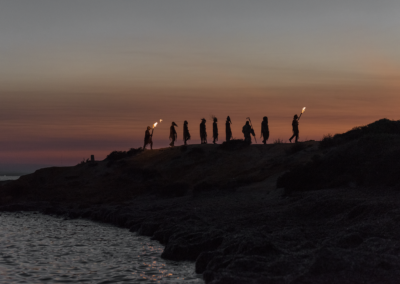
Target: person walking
pixel 264 130
pixel 215 129
pixel 228 130
pixel 203 133
pixel 247 131
pixel 295 128
pixel 186 134
pixel 172 134
pixel 148 138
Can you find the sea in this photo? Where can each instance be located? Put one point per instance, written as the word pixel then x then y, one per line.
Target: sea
pixel 36 248
pixel 2 178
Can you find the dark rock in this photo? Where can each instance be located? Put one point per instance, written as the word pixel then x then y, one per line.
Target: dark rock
pixel 148 229
pixel 327 262
pixel 204 258
pixel 176 189
pixel 162 236
pixel 350 241
pixel 134 228
pixel 204 187
pixel 189 246
pixel 297 147
pixel 196 150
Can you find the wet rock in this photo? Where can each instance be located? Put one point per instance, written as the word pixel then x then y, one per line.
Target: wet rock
pixel 204 259
pixel 148 229
pixel 86 214
pixel 162 236
pixel 73 214
pixel 189 246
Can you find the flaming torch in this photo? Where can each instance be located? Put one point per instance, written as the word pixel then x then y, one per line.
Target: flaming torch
pixel 302 111
pixel 154 126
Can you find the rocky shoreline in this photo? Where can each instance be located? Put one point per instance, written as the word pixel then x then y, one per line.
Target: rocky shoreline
pixel 220 207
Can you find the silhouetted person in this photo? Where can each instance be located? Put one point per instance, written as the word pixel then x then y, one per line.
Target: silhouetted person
pixel 215 129
pixel 295 126
pixel 228 130
pixel 265 129
pixel 148 138
pixel 247 131
pixel 172 134
pixel 186 134
pixel 203 133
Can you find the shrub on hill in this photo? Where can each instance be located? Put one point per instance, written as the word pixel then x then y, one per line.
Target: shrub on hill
pixel 118 155
pixel 233 145
pixel 278 141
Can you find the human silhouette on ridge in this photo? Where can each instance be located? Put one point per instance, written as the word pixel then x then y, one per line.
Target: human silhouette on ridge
pixel 203 133
pixel 295 129
pixel 215 129
pixel 186 134
pixel 148 138
pixel 264 130
pixel 228 131
pixel 172 134
pixel 247 131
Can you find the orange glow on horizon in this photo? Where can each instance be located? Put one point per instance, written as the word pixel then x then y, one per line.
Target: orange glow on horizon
pixel 43 130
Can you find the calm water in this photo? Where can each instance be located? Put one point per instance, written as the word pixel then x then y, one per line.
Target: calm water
pixel 35 248
pixel 8 178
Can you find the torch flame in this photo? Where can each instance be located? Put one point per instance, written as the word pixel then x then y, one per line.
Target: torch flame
pixel 160 120
pixel 155 124
pixel 304 108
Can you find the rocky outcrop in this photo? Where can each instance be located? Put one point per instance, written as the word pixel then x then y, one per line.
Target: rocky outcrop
pixel 220 208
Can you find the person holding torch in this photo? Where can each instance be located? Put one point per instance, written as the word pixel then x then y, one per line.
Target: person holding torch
pixel 295 126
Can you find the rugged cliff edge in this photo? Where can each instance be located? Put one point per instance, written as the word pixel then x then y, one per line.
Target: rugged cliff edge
pixel 219 205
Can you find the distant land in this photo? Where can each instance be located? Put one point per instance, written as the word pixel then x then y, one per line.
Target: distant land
pixel 15 174
pixel 19 169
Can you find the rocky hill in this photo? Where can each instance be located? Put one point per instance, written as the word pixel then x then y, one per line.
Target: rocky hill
pixel 165 172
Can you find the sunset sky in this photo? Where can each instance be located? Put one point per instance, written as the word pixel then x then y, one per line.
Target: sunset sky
pixel 87 77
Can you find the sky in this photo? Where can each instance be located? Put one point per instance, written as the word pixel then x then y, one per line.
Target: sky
pixel 81 78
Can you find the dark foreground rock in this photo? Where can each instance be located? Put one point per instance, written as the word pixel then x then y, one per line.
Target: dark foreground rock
pixel 262 236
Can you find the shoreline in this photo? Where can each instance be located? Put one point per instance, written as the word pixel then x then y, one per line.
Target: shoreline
pixel 270 234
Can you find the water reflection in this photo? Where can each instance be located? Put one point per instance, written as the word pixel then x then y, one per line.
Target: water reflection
pixel 45 249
